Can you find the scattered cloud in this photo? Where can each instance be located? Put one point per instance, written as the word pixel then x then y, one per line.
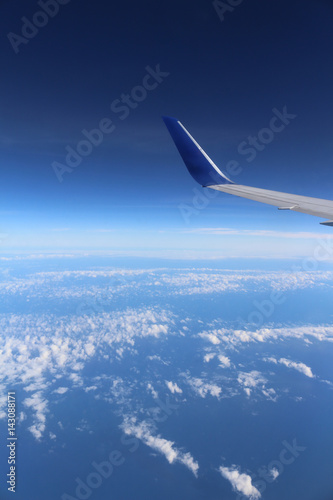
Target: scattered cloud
pixel 173 387
pixel 167 448
pixel 224 361
pixel 202 388
pixel 251 379
pixel 35 348
pixel 61 390
pixel 274 473
pixel 300 367
pixel 152 391
pixel 39 406
pixel 159 281
pixel 208 357
pixel 47 354
pixel 240 482
pixel 232 338
pixel 211 337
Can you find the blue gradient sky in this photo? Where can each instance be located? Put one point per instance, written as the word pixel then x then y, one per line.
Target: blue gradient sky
pixel 224 80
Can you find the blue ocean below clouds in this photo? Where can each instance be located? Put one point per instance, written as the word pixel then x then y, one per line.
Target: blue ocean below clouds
pixel 164 379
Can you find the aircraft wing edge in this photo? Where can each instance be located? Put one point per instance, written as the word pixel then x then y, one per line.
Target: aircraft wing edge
pixel 206 173
pixel 283 201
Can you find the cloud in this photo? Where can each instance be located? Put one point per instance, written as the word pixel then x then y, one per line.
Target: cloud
pixel 39 352
pixel 39 347
pixel 152 391
pixel 173 387
pixel 143 432
pixel 105 284
pixel 203 388
pixel 211 337
pixel 208 357
pixel 61 390
pixel 225 231
pixel 300 367
pixel 39 406
pixel 274 473
pixel 224 361
pixel 242 483
pixel 233 338
pixel 271 360
pixel 251 379
pixel 270 394
pixel 255 380
pixel 157 358
pixel 22 417
pixel 90 388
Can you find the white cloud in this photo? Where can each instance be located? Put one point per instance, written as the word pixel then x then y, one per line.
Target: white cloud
pixel 90 348
pixel 251 379
pixel 40 351
pixel 22 417
pixel 37 430
pixel 225 231
pixel 157 358
pixel 152 391
pixel 178 282
pixel 274 473
pixel 270 394
pixel 35 348
pixel 232 338
pixel 36 386
pixel 271 360
pixel 173 387
pixel 211 337
pixel 224 361
pixel 39 406
pixel 242 483
pixel 61 390
pixel 203 388
pixel 300 367
pixel 208 357
pixel 90 388
pixel 143 432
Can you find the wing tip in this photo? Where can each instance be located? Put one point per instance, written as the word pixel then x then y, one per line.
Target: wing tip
pixel 198 163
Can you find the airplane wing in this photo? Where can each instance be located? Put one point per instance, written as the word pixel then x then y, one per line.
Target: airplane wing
pixel 206 173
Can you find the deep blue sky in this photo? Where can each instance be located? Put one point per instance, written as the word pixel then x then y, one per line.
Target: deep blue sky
pixel 224 80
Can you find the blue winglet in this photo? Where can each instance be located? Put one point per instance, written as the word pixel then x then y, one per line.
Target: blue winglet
pixel 198 163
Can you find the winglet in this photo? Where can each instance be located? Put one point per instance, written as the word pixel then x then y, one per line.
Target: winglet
pixel 327 223
pixel 198 163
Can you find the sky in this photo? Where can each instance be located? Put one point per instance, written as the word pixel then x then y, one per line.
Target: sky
pixel 224 72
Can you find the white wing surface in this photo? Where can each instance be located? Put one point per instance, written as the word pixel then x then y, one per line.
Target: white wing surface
pixel 206 173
